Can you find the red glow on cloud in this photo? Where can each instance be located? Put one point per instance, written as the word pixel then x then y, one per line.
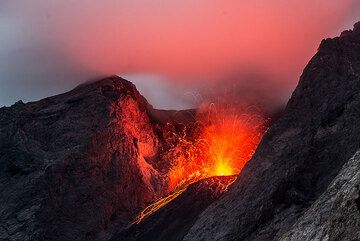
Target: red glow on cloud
pixel 201 39
pixel 186 42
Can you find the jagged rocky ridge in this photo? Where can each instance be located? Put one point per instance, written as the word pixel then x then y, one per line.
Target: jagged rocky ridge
pixel 302 183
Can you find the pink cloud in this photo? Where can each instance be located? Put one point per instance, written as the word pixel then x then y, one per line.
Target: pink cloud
pixel 189 42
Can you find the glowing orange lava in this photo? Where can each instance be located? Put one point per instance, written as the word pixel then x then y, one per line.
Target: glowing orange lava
pixel 220 145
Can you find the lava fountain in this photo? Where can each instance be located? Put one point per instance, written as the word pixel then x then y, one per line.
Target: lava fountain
pixel 219 144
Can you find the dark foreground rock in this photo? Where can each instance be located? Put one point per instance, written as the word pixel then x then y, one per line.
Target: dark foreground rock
pixel 336 214
pixel 288 178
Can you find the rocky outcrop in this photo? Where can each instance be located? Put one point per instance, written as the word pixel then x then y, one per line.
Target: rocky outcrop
pixel 336 214
pixel 74 164
pixel 298 158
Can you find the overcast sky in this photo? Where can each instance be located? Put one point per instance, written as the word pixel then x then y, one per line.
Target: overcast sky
pixel 177 52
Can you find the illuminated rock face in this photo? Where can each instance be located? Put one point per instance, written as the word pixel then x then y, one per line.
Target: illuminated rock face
pixel 74 164
pixel 296 173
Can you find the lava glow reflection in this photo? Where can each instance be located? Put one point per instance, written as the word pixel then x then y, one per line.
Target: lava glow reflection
pixel 220 144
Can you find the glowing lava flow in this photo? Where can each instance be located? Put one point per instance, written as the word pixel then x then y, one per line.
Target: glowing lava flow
pixel 157 205
pixel 219 186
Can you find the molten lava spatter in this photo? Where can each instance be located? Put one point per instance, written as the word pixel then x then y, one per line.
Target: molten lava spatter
pixel 220 144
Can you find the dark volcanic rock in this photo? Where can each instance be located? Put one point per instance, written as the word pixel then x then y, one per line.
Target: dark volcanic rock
pixel 336 214
pixel 73 164
pixel 173 221
pixel 298 158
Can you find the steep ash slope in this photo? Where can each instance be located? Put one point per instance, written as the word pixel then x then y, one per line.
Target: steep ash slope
pixel 73 164
pixel 299 156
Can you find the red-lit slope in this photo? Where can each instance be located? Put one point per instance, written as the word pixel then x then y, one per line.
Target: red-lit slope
pixel 73 164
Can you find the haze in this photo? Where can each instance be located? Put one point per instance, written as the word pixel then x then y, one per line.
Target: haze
pixel 177 52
